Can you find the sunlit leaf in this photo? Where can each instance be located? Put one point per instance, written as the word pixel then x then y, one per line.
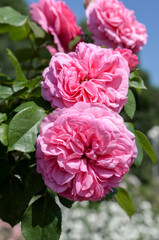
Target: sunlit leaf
pixel 147 146
pixel 19 73
pixel 23 129
pixel 125 202
pixel 130 106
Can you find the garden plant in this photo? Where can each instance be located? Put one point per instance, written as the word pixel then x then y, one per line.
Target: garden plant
pixel 63 137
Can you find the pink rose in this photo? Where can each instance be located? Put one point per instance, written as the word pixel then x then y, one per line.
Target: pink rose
pixel 131 58
pixel 56 18
pixel 84 151
pixel 90 74
pixel 113 25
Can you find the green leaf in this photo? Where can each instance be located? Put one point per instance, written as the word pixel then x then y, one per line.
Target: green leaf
pixel 4 28
pixel 3 117
pixel 19 94
pixel 65 202
pixel 139 158
pixel 130 106
pixel 125 202
pixel 38 32
pixel 74 42
pixel 5 91
pixel 15 196
pixel 9 16
pixel 19 33
pixel 136 81
pixel 23 129
pixel 3 134
pixel 42 220
pixel 147 146
pixel 19 73
pixel 25 105
pixel 111 194
pixel 33 82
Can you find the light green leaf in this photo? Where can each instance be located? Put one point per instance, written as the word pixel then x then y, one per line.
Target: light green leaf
pixel 19 73
pixel 136 81
pixel 23 129
pixel 139 158
pixel 19 33
pixel 19 94
pixel 32 83
pixel 147 146
pixel 38 32
pixel 125 202
pixel 9 16
pixel 42 220
pixel 3 117
pixel 25 105
pixel 3 134
pixel 130 106
pixel 73 42
pixel 5 92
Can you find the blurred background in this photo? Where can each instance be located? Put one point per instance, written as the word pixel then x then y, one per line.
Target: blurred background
pixel 105 220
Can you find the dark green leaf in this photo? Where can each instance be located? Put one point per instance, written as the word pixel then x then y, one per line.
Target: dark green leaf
pixel 4 28
pixel 5 80
pixel 3 134
pixel 136 81
pixel 111 194
pixel 23 129
pixel 65 202
pixel 38 32
pixel 19 73
pixel 130 106
pixel 9 16
pixel 42 220
pixel 5 92
pixel 147 146
pixel 3 117
pixel 24 54
pixel 15 197
pixel 125 202
pixel 5 169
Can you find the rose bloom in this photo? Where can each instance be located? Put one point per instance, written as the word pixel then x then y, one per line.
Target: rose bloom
pixel 131 58
pixel 113 25
pixel 56 18
pixel 90 74
pixel 84 151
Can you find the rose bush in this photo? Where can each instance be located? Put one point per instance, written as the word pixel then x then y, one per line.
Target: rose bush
pixel 56 18
pixel 113 25
pixel 90 74
pixel 84 151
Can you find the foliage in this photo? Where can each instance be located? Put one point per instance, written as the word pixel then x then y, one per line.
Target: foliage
pixel 23 195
